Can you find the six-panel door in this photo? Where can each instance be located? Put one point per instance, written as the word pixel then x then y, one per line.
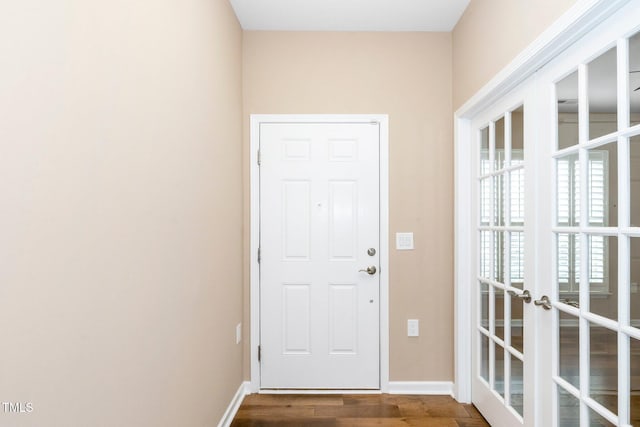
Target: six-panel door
pixel 319 232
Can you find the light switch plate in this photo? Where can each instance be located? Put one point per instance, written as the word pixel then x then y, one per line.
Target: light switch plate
pixel 413 328
pixel 404 241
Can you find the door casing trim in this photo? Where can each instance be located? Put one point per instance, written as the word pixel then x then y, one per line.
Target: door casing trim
pixel 254 272
pixel 581 18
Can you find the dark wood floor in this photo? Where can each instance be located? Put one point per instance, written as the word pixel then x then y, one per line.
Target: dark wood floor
pixel 355 411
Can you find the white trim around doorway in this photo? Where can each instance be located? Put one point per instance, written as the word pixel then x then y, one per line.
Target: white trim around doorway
pixel 569 28
pixel 256 119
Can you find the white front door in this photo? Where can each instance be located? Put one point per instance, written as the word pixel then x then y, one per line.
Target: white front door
pixel 319 255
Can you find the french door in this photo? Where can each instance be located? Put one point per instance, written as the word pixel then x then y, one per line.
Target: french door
pixel 502 366
pixel 594 142
pixel 557 220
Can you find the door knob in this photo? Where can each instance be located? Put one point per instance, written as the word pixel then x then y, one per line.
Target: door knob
pixel 369 270
pixel 545 302
pixel 524 296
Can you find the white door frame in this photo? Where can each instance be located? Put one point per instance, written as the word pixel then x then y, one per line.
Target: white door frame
pixel 256 120
pixel 575 23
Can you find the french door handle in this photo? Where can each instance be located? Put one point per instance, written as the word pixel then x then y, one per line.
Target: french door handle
pixel 524 296
pixel 369 270
pixel 545 302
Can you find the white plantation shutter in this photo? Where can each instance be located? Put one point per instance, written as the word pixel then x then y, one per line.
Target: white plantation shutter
pixel 485 251
pixel 485 215
pixel 517 197
pixel 598 205
pixel 517 217
pixel 576 258
pixel 485 189
pixel 498 256
pixel 517 257
pixel 597 266
pixel 516 206
pixel 568 176
pixel 485 165
pixel 576 192
pixel 564 192
pixel 596 188
pixel 485 201
pixel 564 261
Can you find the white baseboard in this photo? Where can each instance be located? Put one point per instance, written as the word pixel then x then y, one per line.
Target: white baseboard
pixel 421 387
pixel 235 403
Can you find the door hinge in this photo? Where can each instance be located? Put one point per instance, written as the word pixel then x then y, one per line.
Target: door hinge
pixel 259 353
pixel 259 158
pixel 259 256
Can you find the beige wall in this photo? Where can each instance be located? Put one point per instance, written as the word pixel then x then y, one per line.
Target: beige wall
pixel 408 76
pixel 122 181
pixel 120 214
pixel 491 33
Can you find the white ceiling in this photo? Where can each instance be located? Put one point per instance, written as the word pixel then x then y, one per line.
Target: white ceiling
pixel 349 15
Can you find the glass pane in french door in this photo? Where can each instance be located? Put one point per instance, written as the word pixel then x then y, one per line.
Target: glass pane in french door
pixel 594 302
pixel 500 218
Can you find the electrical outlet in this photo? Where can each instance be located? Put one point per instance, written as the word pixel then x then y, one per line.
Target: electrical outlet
pixel 413 328
pixel 238 333
pixel 634 288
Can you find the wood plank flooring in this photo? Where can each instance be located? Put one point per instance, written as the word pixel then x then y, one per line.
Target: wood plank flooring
pixel 270 410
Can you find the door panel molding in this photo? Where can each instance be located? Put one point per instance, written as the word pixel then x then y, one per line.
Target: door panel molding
pixel 255 121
